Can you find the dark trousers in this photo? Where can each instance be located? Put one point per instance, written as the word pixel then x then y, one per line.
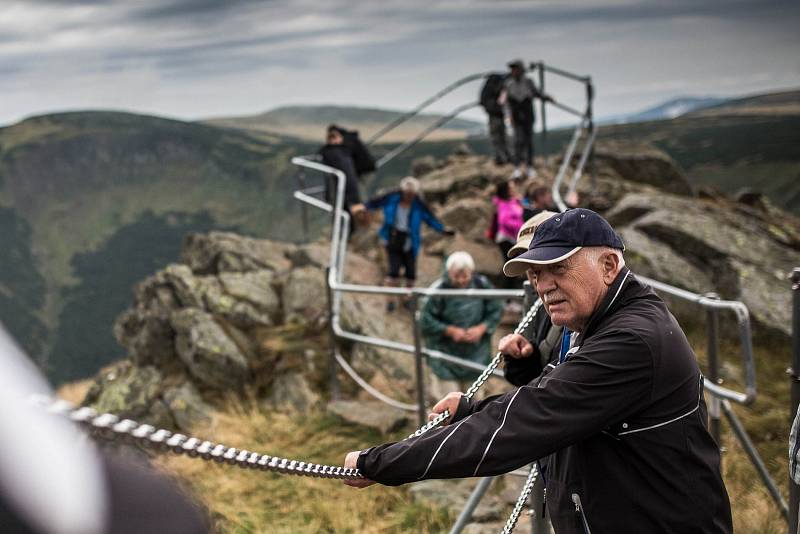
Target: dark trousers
pixel 523 143
pixel 497 132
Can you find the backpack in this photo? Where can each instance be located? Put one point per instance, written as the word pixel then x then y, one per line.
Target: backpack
pixel 490 92
pixel 362 159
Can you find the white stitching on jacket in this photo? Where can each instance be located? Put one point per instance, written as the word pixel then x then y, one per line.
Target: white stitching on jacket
pixel 435 454
pixel 690 412
pixel 505 415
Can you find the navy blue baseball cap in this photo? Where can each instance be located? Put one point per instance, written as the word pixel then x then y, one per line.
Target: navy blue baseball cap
pixel 561 236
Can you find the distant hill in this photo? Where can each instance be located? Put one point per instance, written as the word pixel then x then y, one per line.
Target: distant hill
pixel 92 201
pixel 309 123
pixel 780 103
pixel 670 109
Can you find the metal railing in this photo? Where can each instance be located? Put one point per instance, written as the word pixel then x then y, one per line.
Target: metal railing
pixel 720 396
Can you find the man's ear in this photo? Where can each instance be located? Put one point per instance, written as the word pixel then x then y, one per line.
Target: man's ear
pixel 609 262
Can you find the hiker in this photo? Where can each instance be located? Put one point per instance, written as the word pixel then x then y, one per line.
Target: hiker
pixel 403 214
pixel 490 101
pixel 460 326
pixel 507 216
pixel 619 420
pixel 518 93
pixel 343 150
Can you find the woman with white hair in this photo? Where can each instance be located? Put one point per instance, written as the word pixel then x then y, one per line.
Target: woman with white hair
pixel 403 215
pixel 461 326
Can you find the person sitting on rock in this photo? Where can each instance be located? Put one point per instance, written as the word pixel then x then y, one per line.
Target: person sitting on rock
pixel 460 326
pixel 403 214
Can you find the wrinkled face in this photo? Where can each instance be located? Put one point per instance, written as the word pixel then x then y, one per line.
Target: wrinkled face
pixel 460 277
pixel 572 289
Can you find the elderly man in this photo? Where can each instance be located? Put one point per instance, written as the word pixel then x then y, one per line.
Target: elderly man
pixel 621 416
pixel 461 326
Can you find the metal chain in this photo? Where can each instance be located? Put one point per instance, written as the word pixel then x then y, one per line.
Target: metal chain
pixel 523 496
pixel 484 376
pixel 110 426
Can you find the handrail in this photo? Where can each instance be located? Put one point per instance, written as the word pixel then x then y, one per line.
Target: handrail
pixel 438 96
pixel 389 156
pixel 557 198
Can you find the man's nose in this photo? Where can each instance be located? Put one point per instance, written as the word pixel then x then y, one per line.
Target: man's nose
pixel 544 283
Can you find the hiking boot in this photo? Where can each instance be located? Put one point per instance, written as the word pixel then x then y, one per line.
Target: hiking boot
pixel 390 306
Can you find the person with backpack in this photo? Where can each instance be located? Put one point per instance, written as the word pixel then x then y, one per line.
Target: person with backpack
pixel 344 150
pixel 518 93
pixel 460 326
pixel 489 100
pixel 403 214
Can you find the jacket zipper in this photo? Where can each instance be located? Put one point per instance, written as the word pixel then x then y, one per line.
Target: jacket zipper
pixel 580 516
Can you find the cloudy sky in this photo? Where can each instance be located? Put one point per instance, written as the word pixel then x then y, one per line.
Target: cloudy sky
pixel 199 58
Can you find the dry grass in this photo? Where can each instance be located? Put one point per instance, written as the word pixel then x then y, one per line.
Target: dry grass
pixel 250 501
pixel 74 392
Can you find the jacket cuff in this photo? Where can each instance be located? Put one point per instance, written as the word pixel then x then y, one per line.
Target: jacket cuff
pixel 464 409
pixel 362 459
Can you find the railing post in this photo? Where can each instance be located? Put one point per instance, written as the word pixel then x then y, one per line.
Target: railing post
pixel 543 107
pixel 472 503
pixel 794 490
pixel 713 368
pixel 590 116
pixel 419 361
pixel 333 379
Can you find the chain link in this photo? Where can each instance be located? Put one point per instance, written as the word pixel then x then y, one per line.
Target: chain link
pixel 523 496
pixel 109 426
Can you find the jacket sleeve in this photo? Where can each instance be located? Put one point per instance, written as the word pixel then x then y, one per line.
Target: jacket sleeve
pixel 522 371
pixel 430 219
pixel 377 202
pixel 431 323
pixel 606 380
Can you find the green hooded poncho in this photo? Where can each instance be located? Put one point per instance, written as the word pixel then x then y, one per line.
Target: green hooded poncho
pixel 440 312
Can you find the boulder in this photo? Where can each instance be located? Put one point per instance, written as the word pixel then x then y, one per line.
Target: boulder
pixel 186 407
pixel 292 393
pixel 372 414
pixel 314 255
pixel 424 165
pixel 207 351
pixel 304 294
pixel 487 255
pixel 644 165
pixel 218 252
pixel 147 335
pixel 130 391
pixel 469 216
pixel 704 246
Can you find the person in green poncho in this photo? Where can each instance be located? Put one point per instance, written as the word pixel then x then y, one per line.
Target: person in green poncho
pixel 460 326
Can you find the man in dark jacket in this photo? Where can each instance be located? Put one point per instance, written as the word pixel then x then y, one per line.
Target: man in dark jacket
pixel 339 155
pixel 620 418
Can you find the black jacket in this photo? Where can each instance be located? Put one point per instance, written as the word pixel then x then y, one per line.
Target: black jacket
pixel 341 157
pixel 623 422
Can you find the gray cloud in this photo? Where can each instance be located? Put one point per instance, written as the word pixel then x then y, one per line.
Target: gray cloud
pixel 193 58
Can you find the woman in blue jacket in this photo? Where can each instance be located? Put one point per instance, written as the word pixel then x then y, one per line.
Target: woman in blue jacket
pixel 403 215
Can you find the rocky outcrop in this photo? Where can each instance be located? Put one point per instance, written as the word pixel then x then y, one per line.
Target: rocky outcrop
pixel 707 246
pixel 372 414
